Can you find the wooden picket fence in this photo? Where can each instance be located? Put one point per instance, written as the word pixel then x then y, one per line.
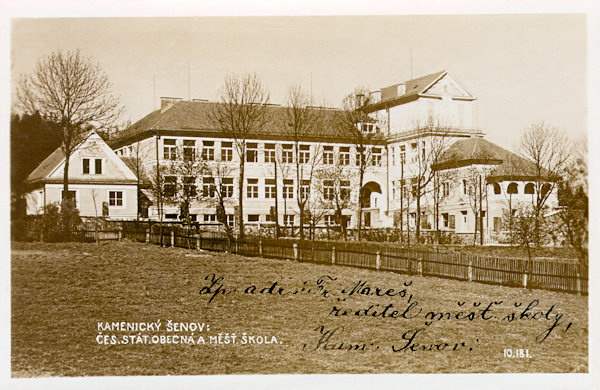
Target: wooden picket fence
pixel 548 274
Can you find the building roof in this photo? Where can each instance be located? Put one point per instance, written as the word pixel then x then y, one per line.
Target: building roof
pixel 192 118
pixel 508 165
pixel 46 167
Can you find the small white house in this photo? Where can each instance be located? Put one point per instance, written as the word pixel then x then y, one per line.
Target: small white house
pixel 99 181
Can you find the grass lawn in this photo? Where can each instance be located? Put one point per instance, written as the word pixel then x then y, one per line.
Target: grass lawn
pixel 63 293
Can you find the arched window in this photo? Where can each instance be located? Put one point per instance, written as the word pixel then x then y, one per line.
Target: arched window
pixel 546 188
pixel 513 188
pixel 497 189
pixel 529 189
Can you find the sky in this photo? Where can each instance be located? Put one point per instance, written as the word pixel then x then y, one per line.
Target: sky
pixel 523 69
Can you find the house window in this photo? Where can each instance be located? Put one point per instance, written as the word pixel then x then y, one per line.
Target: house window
pixel 328 155
pixel 367 127
pixel 226 151
pixel 393 154
pixel 189 186
pixel 208 150
pixel 446 220
pixel 227 187
pixel 230 220
pixel 330 220
pixel 360 157
pixel 529 189
pixel 497 189
pixel 288 189
pixel 115 198
pixel 497 224
pixel 452 223
pixel 169 149
pixel 287 156
pixel 464 214
pixel 253 217
pixel 546 188
pixel 344 155
pixel 269 153
pixel 208 187
pixel 71 195
pixel 210 217
pixel 513 188
pixel 304 154
pixel 170 186
pixel 87 166
pixel 252 188
pixel 305 189
pixel 464 186
pixel 270 188
pixel 252 152
pixel 345 189
pixel 446 188
pixel 170 216
pixel 328 190
pixel 288 220
pixel 189 150
pixel 402 154
pixel 376 157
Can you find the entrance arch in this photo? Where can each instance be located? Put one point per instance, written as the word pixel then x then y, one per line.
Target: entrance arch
pixel 366 192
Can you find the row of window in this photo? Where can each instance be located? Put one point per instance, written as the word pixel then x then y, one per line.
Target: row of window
pixel 288 219
pixel 252 153
pixel 115 198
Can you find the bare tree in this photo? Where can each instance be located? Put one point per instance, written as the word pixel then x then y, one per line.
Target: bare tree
pixel 335 190
pixel 68 89
pixel 300 121
pixel 363 131
pixel 524 231
pixel 548 148
pixel 475 179
pixel 221 192
pixel 241 113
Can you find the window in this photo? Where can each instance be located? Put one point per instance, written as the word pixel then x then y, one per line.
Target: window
pixel 464 214
pixel 513 188
pixel 344 155
pixel 305 189
pixel 464 186
pixel 446 219
pixel 497 189
pixel 529 189
pixel 208 150
pixel 376 157
pixel 304 154
pixel 393 154
pixel 87 165
pixel 288 189
pixel 328 190
pixel 287 154
pixel 270 188
pixel 170 216
pixel 497 224
pixel 115 198
pixel 189 150
pixel 169 186
pixel 446 188
pixel 402 154
pixel 269 153
pixel 227 187
pixel 328 155
pixel 545 189
pixel 253 217
pixel 345 189
pixel 288 220
pixel 226 151
pixel 452 221
pixel 71 195
pixel 169 149
pixel 360 157
pixel 252 188
pixel 367 127
pixel 189 186
pixel 252 152
pixel 330 220
pixel 208 187
pixel 210 218
pixel 230 220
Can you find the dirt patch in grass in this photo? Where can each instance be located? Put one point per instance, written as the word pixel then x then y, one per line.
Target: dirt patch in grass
pixel 62 292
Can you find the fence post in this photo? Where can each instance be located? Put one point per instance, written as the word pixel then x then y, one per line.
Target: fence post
pixel 296 251
pixel 578 284
pixel 378 260
pixel 172 237
pixel 198 243
pixel 120 234
pixel 147 235
pixel 525 279
pixel 260 248
pixel 470 270
pixel 420 264
pixel 332 255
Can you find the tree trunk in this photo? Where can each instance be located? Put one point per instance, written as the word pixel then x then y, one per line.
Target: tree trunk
pixel 360 200
pixel 241 200
pixel 65 201
pixel 418 217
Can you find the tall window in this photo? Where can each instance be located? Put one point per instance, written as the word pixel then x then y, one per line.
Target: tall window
pixel 208 150
pixel 529 188
pixel 393 154
pixel 513 188
pixel 345 189
pixel 446 188
pixel 208 187
pixel 288 220
pixel 189 186
pixel 344 155
pixel 227 187
pixel 252 188
pixel 189 149
pixel 252 152
pixel 328 155
pixel 226 151
pixel 169 149
pixel 92 166
pixel 304 154
pixel 402 154
pixel 169 186
pixel 288 189
pixel 270 188
pixel 210 217
pixel 328 190
pixel 497 189
pixel 287 156
pixel 376 157
pixel 269 153
pixel 464 186
pixel 115 198
pixel 329 219
pixel 305 189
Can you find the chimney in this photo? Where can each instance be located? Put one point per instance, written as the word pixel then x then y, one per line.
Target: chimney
pixel 168 102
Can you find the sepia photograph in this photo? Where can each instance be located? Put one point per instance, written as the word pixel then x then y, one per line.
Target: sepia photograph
pixel 305 195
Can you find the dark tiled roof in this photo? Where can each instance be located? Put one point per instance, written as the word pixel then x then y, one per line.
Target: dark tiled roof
pixel 143 175
pixel 470 151
pixel 46 167
pixel 413 88
pixel 192 118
